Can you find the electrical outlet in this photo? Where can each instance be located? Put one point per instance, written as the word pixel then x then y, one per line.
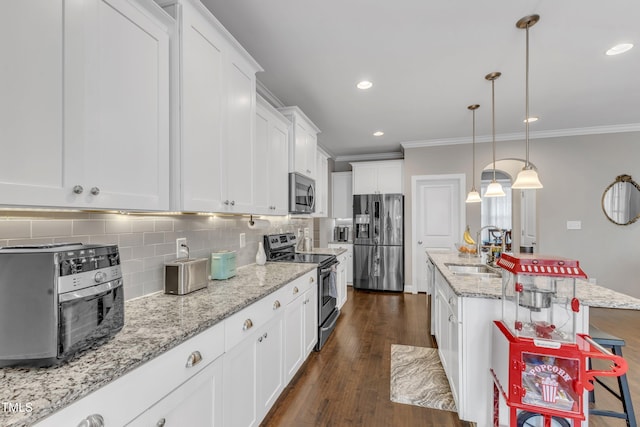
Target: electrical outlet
pixel 181 251
pixel 243 240
pixel 306 232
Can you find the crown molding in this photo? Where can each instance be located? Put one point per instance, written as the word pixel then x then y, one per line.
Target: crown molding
pixel 365 157
pixel 516 136
pixel 268 95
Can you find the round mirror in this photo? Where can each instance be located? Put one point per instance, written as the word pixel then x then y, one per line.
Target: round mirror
pixel 621 201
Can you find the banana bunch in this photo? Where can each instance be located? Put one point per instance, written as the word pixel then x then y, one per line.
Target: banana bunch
pixel 467 237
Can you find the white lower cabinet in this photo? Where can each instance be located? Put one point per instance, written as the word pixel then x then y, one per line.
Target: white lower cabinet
pixel 229 375
pixel 198 402
pixel 447 318
pixel 162 387
pixel 253 375
pixel 301 323
pixel 349 261
pixel 310 314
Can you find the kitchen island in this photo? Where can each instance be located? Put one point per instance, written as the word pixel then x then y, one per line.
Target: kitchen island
pixel 463 309
pixel 154 325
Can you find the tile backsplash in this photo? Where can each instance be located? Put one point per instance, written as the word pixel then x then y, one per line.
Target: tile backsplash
pixel 146 242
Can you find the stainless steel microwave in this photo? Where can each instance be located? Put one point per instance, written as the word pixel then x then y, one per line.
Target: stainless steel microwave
pixel 302 194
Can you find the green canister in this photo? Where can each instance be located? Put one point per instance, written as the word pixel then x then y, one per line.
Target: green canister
pixel 223 265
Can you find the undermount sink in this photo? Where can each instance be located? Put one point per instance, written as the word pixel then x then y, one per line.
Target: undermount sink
pixel 472 270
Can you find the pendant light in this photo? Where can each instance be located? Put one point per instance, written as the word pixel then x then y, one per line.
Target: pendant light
pixel 474 196
pixel 494 189
pixel 528 177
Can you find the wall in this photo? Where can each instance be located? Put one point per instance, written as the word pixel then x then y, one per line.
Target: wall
pixel 145 242
pixel 575 172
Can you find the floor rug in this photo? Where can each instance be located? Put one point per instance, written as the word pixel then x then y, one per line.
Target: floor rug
pixel 417 378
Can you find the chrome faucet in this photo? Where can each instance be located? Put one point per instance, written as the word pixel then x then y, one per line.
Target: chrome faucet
pixel 478 241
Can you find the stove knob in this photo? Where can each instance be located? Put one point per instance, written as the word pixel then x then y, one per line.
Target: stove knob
pixel 100 277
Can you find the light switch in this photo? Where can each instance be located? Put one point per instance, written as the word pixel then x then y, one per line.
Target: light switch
pixel 574 225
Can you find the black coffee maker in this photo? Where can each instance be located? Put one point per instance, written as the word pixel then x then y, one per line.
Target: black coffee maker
pixel 341 233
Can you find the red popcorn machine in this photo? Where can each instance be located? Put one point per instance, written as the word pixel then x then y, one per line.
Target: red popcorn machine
pixel 539 360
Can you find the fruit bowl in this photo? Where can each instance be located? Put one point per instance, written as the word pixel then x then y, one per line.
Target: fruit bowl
pixel 467 250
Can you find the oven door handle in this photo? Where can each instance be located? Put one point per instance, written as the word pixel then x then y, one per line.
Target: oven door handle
pixel 328 269
pixel 90 291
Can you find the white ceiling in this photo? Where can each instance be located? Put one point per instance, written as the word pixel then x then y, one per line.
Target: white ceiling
pixel 427 60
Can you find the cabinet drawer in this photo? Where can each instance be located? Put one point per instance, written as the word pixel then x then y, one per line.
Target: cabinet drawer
pixel 245 322
pixel 296 288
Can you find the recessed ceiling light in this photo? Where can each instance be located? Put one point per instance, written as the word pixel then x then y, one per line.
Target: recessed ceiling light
pixel 378 133
pixel 619 48
pixel 365 84
pixel 531 119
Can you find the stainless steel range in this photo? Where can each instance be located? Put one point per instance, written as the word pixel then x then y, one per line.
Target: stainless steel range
pixel 281 248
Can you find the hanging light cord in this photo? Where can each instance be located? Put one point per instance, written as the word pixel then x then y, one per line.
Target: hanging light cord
pixel 493 124
pixel 474 149
pixel 526 96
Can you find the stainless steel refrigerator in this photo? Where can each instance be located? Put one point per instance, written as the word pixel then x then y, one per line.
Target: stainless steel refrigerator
pixel 378 250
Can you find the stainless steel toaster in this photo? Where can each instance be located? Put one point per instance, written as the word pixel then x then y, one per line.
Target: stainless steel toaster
pixel 184 276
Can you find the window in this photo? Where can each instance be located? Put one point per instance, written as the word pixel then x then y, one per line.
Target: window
pixel 495 210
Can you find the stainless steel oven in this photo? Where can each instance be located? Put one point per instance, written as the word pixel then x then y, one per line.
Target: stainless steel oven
pixel 302 194
pixel 327 301
pixel 57 300
pixel 281 247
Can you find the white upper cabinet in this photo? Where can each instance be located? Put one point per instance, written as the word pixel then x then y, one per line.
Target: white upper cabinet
pixel 322 184
pixel 382 177
pixel 214 83
pixel 342 194
pixel 303 142
pixel 271 161
pixel 101 109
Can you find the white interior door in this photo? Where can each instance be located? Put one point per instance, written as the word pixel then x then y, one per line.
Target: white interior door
pixel 528 219
pixel 437 219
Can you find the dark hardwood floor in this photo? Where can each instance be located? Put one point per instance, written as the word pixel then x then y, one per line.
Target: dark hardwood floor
pixel 347 383
pixel 624 324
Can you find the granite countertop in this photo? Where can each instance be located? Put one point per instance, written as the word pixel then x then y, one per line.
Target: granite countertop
pixel 153 325
pixel 481 287
pixel 336 242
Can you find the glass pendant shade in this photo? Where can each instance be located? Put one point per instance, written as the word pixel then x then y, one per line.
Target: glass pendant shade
pixel 473 196
pixel 527 179
pixel 494 190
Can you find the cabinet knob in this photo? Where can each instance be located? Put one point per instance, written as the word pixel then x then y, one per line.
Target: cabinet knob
pixel 311 280
pixel 194 359
pixel 419 242
pixel 161 422
pixel 77 189
pixel 260 339
pixel 226 202
pixel 265 336
pixel 233 203
pixel 295 290
pixel 95 191
pixel 248 324
pixel 452 318
pixel 450 300
pixel 93 420
pixel 276 305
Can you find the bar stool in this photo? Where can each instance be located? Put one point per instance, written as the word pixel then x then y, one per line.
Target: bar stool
pixel 614 344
